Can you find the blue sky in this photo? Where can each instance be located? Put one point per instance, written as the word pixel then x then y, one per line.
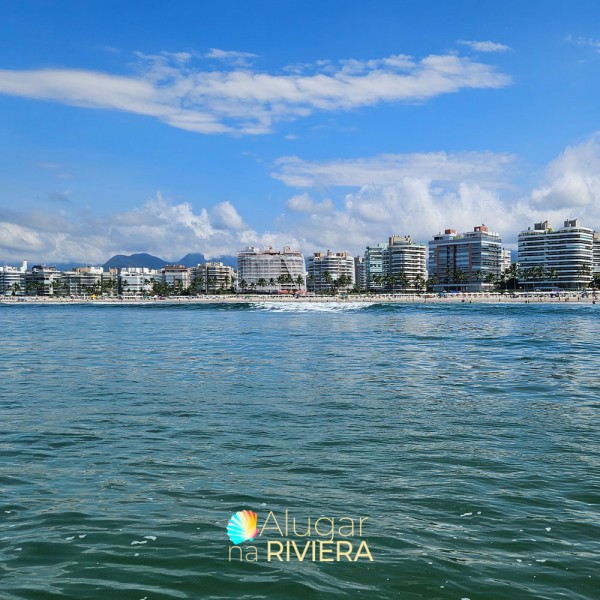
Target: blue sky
pixel 175 127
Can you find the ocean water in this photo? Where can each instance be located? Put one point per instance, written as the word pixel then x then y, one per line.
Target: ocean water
pixel 468 435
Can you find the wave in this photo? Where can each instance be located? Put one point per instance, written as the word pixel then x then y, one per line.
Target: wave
pixel 316 306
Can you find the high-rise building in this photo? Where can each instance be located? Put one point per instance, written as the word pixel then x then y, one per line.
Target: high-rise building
pixel 556 258
pixel 327 268
pixel 41 280
pixel 81 280
pixel 374 266
pixel 271 270
pixel 12 280
pixel 505 260
pixel 137 280
pixel 596 254
pixel 405 263
pixel 465 261
pixel 212 277
pixel 176 276
pixel 360 272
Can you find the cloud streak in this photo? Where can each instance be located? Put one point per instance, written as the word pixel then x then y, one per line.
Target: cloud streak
pixel 385 169
pixel 485 46
pixel 240 100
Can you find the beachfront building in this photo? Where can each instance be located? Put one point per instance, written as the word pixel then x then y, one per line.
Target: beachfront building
pixel 212 277
pixel 137 280
pixel 405 264
pixel 80 281
pixel 176 277
pixel 374 266
pixel 468 262
pixel 556 258
pixel 41 281
pixel 505 260
pixel 328 271
pixel 360 272
pixel 596 254
pixel 271 270
pixel 12 280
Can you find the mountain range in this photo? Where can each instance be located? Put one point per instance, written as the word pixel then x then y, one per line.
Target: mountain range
pixel 153 262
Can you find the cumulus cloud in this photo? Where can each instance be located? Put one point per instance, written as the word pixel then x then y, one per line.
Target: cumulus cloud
pixel 412 194
pixel 170 88
pixel 303 203
pixel 572 182
pixel 485 46
pixel 161 227
pixel 226 216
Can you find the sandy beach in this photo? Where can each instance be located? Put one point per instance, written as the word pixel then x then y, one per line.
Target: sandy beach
pixel 485 298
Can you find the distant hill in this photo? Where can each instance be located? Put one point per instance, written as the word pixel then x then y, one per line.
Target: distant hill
pixel 191 259
pixel 195 258
pixel 230 261
pixel 120 261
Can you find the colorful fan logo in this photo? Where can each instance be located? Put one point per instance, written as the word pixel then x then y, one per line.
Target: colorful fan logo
pixel 242 526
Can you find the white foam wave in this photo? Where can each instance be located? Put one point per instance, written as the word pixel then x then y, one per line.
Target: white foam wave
pixel 309 306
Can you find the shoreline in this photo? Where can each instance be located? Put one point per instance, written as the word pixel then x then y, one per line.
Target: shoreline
pixel 466 298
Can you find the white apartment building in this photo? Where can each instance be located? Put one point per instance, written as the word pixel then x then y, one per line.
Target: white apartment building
pixel 12 280
pixel 404 257
pixel 505 259
pixel 556 258
pixel 137 280
pixel 41 280
pixel 325 268
pixel 212 277
pixel 79 281
pixel 176 276
pixel 271 270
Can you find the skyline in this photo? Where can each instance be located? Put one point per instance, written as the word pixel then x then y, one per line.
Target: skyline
pixel 201 128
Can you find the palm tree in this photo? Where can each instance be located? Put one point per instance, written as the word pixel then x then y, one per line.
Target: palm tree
pixel 514 272
pixel 299 281
pixel 585 271
pixel 377 279
pixel 490 278
pixel 327 279
pixel 243 284
pixel 552 273
pixel 403 280
pixel 261 282
pixel 419 283
pixel 272 283
pixel 15 288
pixel 433 280
pixel 460 276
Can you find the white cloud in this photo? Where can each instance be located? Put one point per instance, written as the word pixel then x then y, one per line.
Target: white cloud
pixel 413 194
pixel 243 101
pixel 387 169
pixel 232 56
pixel 160 227
pixel 305 204
pixel 572 182
pixel 485 46
pixel 583 41
pixel 226 216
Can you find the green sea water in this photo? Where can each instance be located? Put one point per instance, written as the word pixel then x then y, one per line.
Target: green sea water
pixel 467 435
